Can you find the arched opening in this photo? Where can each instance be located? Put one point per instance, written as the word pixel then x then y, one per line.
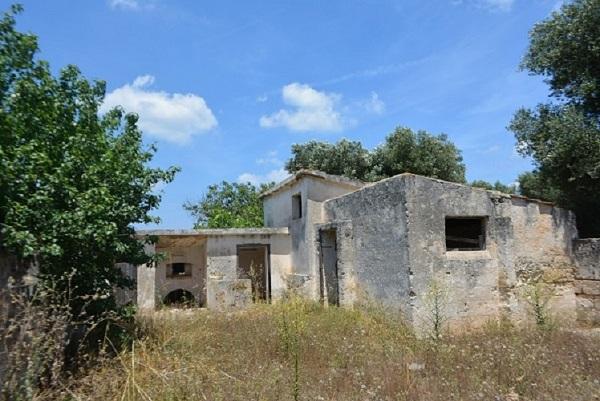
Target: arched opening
pixel 180 298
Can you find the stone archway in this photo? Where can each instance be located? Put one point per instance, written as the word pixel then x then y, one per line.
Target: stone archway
pixel 180 298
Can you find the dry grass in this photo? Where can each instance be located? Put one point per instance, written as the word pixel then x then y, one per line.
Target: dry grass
pixel 342 355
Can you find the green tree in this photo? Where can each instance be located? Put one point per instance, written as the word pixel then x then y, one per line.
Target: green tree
pixel 531 184
pixel 419 153
pixel 497 186
pixel 403 151
pixel 72 182
pixel 563 139
pixel 347 158
pixel 229 205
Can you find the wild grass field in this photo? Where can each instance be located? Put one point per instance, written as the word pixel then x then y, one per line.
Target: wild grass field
pixel 298 350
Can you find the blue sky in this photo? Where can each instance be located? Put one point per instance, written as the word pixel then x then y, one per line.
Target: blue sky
pixel 225 87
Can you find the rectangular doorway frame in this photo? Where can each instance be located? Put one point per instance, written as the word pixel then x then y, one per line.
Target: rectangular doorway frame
pixel 329 293
pixel 267 255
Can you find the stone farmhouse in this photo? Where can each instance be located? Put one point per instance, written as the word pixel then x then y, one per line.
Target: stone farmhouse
pixel 344 242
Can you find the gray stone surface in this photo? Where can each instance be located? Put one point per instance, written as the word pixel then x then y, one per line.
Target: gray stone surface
pixel 226 294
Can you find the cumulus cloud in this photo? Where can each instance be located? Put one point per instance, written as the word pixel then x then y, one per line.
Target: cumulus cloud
pixel 174 117
pixel 310 110
pixel 272 176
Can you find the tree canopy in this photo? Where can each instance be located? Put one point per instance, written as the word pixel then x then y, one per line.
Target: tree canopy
pixel 563 138
pixel 73 182
pixel 229 205
pixel 403 151
pixel 497 186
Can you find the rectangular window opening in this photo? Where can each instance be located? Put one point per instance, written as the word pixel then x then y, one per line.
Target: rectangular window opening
pixel 296 206
pixel 465 233
pixel 179 269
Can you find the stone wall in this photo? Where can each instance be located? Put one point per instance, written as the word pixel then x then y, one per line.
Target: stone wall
pixel 587 282
pixel 394 249
pixel 528 243
pixel 372 239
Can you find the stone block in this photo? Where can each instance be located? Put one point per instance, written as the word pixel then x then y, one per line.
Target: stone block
pixel 225 294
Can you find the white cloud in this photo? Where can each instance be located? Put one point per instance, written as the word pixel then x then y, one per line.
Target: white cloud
pixel 500 5
pixel 174 117
pixel 270 158
pixel 125 4
pixel 374 104
pixel 492 5
pixel 272 176
pixel 262 98
pixel 311 110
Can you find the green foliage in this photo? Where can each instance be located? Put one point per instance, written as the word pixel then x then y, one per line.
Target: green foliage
pixel 532 185
pixel 347 158
pixel 72 182
pixel 419 153
pixel 403 151
pixel 566 49
pixel 497 186
pixel 563 139
pixel 229 205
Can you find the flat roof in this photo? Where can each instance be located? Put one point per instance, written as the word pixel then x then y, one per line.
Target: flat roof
pixel 336 179
pixel 464 185
pixel 206 232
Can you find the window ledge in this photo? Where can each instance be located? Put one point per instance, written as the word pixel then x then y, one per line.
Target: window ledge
pixel 468 255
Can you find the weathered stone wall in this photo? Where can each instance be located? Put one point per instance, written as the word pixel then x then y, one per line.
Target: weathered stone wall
pixel 182 250
pixel 222 257
pixel 397 232
pixel 373 259
pixel 278 213
pixel 542 253
pixel 587 282
pixel 226 294
pixel 527 242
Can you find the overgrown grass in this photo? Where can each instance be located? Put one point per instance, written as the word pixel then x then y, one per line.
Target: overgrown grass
pixel 341 354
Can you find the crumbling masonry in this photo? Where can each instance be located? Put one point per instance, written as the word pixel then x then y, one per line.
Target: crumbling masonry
pixel 344 242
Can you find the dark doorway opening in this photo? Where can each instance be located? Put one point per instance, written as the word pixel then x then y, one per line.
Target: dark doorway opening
pixel 180 298
pixel 253 264
pixel 465 233
pixel 329 281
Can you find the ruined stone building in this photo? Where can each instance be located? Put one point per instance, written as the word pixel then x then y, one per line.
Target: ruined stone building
pixel 344 242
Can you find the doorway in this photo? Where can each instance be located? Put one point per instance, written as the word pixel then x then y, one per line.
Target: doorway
pixel 329 282
pixel 253 264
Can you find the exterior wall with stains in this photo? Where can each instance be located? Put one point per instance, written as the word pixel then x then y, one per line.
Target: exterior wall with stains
pixel 527 242
pixel 223 260
pixel 587 280
pixel 373 244
pixel 399 249
pixel 183 249
pixel 314 188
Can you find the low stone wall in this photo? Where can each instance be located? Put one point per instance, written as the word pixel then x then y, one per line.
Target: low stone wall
pixel 587 280
pixel 225 294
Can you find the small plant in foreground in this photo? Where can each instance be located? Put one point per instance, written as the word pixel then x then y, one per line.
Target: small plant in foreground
pixel 436 303
pixel 292 323
pixel 538 295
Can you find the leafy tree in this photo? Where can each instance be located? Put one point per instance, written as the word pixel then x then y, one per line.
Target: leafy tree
pixel 403 151
pixel 531 184
pixel 72 182
pixel 497 186
pixel 419 153
pixel 347 158
pixel 565 48
pixel 563 139
pixel 229 205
